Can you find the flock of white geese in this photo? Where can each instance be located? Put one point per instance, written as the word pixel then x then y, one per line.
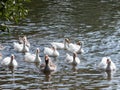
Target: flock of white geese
pixel 23 46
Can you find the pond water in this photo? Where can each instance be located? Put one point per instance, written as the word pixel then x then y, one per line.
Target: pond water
pixel 95 22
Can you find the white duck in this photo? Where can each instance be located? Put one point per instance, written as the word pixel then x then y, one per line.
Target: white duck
pixel 107 64
pixel 49 66
pixel 21 47
pixel 75 47
pixel 10 62
pixel 59 45
pixel 51 51
pixel 33 58
pixel 21 40
pixel 72 59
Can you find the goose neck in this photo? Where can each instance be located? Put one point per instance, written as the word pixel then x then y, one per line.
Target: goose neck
pixel 108 66
pixel 12 57
pixel 74 61
pixel 37 55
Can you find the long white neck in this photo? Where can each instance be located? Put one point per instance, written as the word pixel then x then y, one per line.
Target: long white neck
pixel 66 44
pixel 80 48
pixel 37 55
pixel 54 52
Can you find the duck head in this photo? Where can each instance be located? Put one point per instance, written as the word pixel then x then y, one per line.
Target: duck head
pixel 79 43
pixel 46 59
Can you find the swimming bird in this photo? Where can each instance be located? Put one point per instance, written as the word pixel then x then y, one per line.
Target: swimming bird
pixel 33 58
pixel 22 39
pixel 49 66
pixel 51 51
pixel 107 64
pixel 59 45
pixel 77 47
pixel 72 59
pixel 21 47
pixel 10 63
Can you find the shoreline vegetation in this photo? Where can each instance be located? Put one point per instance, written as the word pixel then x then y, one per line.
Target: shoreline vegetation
pixel 12 11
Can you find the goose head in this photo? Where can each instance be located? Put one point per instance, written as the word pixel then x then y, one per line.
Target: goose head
pixel 79 43
pixel 38 50
pixel 67 40
pixel 46 59
pixel 12 57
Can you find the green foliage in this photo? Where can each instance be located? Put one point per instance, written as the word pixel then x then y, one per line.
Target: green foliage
pixel 12 10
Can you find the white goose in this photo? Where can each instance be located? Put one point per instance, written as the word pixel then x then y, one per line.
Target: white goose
pixel 59 45
pixel 21 40
pixel 10 62
pixel 72 59
pixel 75 47
pixel 107 64
pixel 51 51
pixel 33 58
pixel 21 47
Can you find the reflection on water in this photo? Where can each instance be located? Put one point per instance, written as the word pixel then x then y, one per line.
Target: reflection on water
pixel 110 74
pixel 95 22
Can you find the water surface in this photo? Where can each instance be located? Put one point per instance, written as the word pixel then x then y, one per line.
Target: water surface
pixel 96 23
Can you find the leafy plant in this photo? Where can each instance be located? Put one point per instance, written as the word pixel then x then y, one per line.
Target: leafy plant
pixel 13 11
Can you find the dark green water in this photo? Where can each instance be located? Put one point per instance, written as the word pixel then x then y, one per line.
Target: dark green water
pixel 95 22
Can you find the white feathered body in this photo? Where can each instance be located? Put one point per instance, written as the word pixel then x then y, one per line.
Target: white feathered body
pixel 75 48
pixel 69 59
pixel 103 64
pixel 51 52
pixel 20 47
pixel 6 62
pixel 31 58
pixel 58 45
